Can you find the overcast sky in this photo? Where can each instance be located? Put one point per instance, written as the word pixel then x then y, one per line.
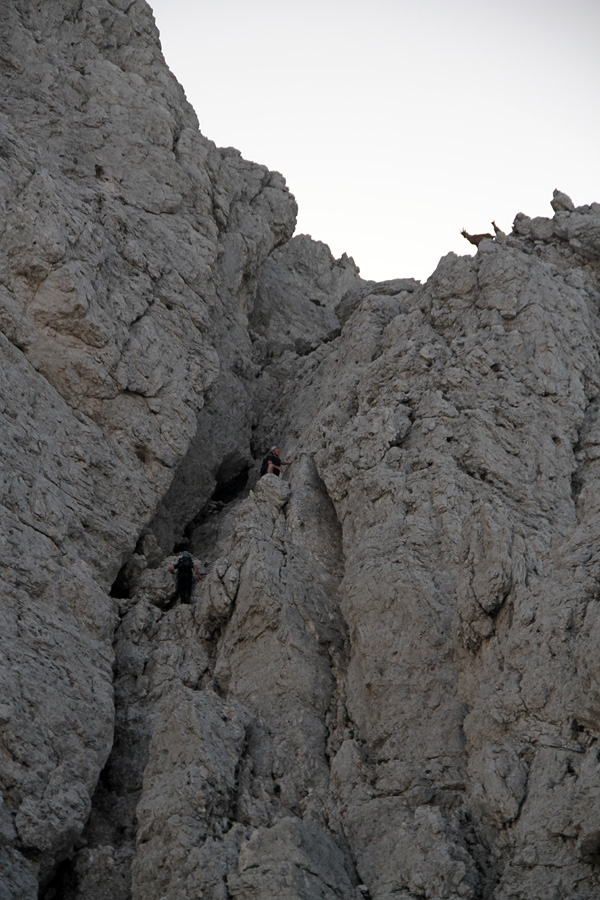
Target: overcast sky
pixel 397 123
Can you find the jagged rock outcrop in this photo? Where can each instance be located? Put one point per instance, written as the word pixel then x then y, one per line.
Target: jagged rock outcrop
pixel 130 249
pixel 447 425
pixel 387 684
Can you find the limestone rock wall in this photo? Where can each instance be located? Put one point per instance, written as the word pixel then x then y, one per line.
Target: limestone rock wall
pixel 452 426
pixel 129 251
pixel 387 684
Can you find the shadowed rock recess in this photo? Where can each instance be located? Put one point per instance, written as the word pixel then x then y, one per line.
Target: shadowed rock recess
pixel 387 685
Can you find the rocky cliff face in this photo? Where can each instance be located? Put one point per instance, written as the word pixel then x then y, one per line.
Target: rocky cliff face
pixel 387 684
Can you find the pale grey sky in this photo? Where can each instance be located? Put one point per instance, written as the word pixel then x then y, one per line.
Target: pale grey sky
pixel 397 123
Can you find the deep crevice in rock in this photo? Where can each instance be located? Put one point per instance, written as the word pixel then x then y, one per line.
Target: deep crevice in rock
pixel 62 885
pixel 228 489
pixel 111 827
pixel 121 588
pixel 108 839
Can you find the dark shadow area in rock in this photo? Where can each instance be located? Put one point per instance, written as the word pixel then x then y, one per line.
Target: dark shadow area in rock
pixel 229 488
pixel 121 588
pixel 62 884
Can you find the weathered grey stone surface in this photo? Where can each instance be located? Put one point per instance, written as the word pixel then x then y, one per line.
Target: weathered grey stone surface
pixel 450 427
pixel 129 248
pixel 387 682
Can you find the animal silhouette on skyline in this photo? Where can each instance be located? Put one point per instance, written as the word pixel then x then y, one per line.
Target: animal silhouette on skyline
pixel 476 238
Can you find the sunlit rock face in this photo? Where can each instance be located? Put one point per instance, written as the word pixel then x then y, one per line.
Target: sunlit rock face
pixel 387 683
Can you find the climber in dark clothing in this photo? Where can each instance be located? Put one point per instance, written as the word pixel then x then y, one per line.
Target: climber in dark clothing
pixel 184 569
pixel 272 464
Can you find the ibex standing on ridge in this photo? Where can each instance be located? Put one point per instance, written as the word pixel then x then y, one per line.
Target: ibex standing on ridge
pixel 476 238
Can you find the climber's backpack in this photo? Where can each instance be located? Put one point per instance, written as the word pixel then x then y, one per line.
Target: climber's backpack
pixel 185 565
pixel 264 466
